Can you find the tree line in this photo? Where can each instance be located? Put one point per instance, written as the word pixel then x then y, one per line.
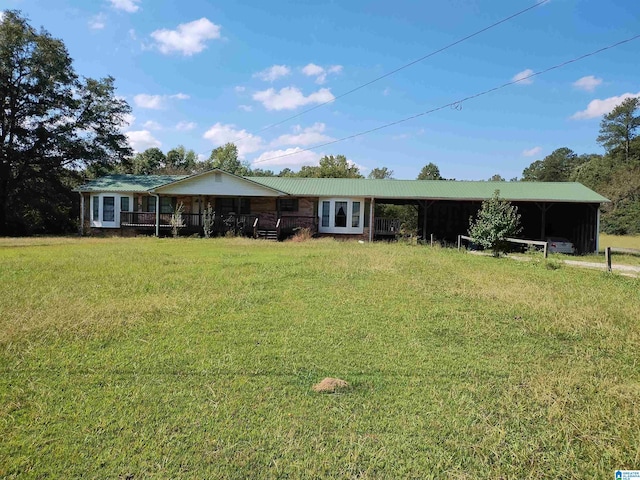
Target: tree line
pixel 615 175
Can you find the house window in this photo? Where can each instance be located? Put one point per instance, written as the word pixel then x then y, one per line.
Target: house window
pixel 96 208
pixel 109 209
pixel 167 204
pixel 326 209
pixel 245 206
pixel 241 206
pixel 288 204
pixel 226 206
pixel 124 204
pixel 355 215
pixel 149 204
pixel 341 214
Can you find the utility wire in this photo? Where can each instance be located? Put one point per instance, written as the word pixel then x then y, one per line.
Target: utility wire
pixel 392 72
pixel 456 104
pixel 407 65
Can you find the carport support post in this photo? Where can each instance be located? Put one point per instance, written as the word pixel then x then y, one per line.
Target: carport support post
pixel 543 227
pixel 423 204
pixel 598 229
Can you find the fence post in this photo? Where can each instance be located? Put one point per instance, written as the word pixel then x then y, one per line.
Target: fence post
pixel 432 239
pixel 607 256
pixel 546 249
pixel 459 241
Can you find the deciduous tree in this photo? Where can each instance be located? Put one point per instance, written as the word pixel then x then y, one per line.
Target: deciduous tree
pixel 151 161
pixel 430 172
pixel 226 158
pixel 53 124
pixel 381 173
pixel 555 167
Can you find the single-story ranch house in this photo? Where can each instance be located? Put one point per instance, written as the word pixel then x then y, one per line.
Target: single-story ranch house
pixel 273 207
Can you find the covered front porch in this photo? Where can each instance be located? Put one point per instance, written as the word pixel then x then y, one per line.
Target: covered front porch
pixel 243 216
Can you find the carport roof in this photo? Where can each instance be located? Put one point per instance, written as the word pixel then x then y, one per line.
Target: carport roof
pixel 432 189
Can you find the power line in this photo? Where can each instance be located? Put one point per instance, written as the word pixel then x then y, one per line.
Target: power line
pixel 392 72
pixel 407 65
pixel 456 103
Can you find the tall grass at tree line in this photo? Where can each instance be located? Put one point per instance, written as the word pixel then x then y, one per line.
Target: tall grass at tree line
pixel 194 358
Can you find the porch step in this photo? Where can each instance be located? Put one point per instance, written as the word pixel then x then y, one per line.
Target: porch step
pixel 268 234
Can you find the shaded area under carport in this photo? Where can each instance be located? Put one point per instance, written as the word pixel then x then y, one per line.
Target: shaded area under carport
pixel 446 219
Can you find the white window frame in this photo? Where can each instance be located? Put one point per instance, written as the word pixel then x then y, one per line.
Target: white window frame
pixel 348 230
pixel 99 222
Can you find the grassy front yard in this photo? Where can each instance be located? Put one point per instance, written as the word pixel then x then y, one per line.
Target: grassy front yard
pixel 194 358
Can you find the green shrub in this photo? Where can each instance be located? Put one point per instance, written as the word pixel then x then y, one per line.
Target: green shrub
pixel 496 220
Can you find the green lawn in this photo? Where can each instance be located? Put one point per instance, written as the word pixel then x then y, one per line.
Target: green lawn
pixel 193 358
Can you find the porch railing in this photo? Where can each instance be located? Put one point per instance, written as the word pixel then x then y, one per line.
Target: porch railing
pixel 239 224
pixel 387 226
pixel 287 225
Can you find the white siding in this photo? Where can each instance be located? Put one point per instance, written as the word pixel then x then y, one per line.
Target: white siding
pixel 219 184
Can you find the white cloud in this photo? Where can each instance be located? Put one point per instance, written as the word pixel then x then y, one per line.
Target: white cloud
pixel 132 34
pixel 588 83
pixel 531 152
pixel 246 142
pixel 130 6
pixel 156 102
pixel 307 136
pixel 152 125
pixel 521 77
pixel 140 140
pixel 185 126
pixel 386 91
pixel 239 88
pixel 290 98
pixel 597 107
pixel 313 70
pixel 292 158
pixel 245 108
pixel 97 22
pixel 273 73
pixel 188 38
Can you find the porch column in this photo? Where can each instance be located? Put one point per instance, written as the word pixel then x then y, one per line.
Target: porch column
pixel 371 224
pixel 157 214
pixel 81 214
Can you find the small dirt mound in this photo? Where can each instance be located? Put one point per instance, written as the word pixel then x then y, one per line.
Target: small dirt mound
pixel 330 385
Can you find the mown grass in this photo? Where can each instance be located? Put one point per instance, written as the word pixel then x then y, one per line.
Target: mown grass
pixel 194 358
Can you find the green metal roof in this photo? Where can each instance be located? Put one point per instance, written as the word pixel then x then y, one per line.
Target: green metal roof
pixel 432 189
pixel 128 183
pixel 381 189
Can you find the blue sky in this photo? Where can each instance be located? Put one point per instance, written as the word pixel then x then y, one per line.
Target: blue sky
pixel 201 73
